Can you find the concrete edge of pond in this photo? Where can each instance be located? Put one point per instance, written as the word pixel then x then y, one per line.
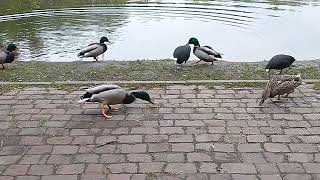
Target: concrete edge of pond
pixel 145 82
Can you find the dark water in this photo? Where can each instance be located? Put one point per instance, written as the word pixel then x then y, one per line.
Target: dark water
pixel 243 30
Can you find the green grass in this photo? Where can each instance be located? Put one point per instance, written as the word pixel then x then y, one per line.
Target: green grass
pixel 88 71
pixel 157 70
pixel 138 70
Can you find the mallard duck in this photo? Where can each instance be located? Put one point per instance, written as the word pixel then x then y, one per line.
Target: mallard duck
pixel 279 62
pixel 112 95
pixel 94 50
pixel 182 53
pixel 279 85
pixel 204 53
pixel 9 55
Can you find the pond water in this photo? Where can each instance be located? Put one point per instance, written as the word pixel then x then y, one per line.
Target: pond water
pixel 243 30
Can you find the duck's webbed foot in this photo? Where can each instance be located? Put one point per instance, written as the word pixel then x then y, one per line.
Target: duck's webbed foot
pixel 96 58
pixel 113 109
pixel 105 113
pixel 2 66
pixel 278 97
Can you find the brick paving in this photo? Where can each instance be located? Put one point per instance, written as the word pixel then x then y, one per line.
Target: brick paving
pixel 192 133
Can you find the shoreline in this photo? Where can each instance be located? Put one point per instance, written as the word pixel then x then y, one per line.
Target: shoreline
pixel 89 60
pixel 145 70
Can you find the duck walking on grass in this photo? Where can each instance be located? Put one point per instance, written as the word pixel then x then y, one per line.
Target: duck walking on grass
pixel 111 95
pixel 279 62
pixel 204 53
pixel 94 50
pixel 9 55
pixel 182 53
pixel 279 85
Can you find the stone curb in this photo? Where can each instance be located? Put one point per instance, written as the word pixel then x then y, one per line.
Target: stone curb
pixel 146 82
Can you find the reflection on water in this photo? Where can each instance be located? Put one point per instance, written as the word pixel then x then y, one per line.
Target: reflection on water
pixel 55 30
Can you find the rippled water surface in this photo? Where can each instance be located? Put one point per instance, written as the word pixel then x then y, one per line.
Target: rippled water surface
pixel 243 30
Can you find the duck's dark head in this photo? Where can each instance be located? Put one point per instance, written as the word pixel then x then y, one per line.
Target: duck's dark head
pixel 104 39
pixel 12 47
pixel 292 59
pixel 194 41
pixel 142 95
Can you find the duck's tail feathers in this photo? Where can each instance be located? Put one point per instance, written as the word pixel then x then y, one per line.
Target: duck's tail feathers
pixel 81 54
pixel 84 100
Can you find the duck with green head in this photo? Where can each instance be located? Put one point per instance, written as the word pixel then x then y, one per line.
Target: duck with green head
pixel 204 53
pixel 8 55
pixel 111 95
pixel 94 50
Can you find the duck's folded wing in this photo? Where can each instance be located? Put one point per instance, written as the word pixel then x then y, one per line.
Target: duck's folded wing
pixel 95 52
pixel 89 48
pixel 286 78
pixel 203 55
pixel 3 56
pixel 111 97
pixel 101 88
pixel 209 50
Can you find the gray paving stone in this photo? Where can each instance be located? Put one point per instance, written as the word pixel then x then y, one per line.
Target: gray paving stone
pixel 312 167
pixel 290 168
pixel 267 168
pixel 297 177
pixel 303 148
pixel 195 133
pixel 256 147
pixel 271 177
pixel 181 168
pixel 238 168
pixel 299 157
pixel 253 158
pixel 276 147
pixel 244 177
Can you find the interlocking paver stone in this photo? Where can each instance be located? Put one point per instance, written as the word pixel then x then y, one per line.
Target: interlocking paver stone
pixel 181 168
pixel 290 168
pixel 194 133
pixel 238 168
pixel 15 170
pixel 151 167
pixel 70 169
pixel 123 168
pixel 41 170
pixel 297 177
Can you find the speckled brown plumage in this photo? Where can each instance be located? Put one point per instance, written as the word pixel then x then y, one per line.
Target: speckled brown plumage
pixel 280 85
